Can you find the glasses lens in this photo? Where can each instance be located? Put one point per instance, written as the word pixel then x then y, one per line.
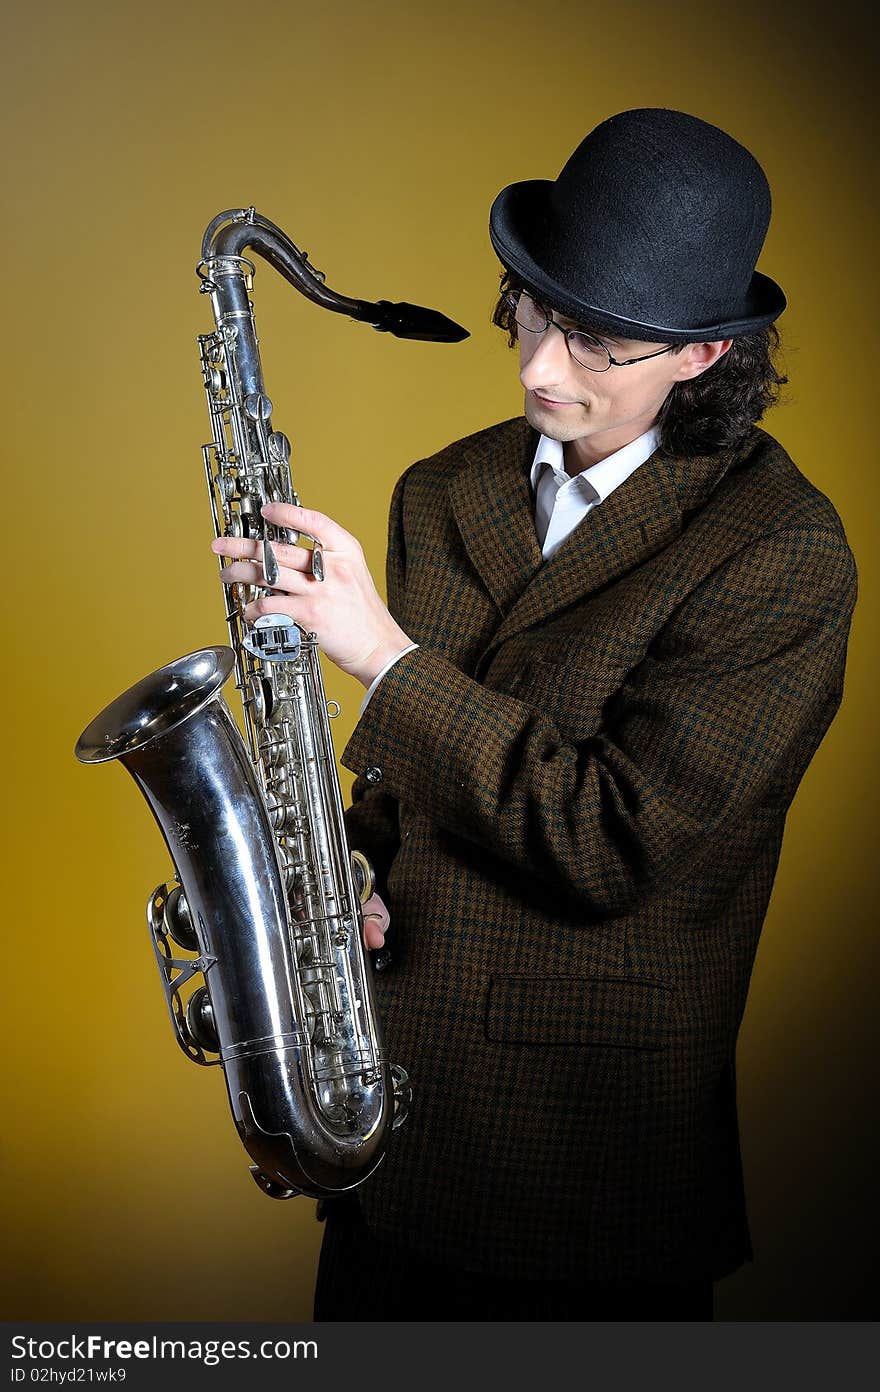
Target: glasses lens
pixel 528 314
pixel 589 352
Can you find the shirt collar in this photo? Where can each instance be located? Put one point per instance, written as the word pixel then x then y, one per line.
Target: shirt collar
pixel 609 473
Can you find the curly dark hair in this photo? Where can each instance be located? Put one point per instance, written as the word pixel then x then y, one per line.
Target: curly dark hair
pixel 710 412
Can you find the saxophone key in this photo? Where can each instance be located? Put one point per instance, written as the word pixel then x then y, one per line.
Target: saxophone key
pixel 260 696
pixel 177 920
pixel 279 448
pixel 258 406
pixel 199 1018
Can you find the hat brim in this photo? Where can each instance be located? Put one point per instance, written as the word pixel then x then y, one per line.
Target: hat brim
pixel 515 223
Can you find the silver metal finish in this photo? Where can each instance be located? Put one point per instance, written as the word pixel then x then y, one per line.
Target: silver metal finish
pixel 277 987
pixel 294 1026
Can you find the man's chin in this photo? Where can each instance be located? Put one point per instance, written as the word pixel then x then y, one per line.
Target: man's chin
pixel 556 424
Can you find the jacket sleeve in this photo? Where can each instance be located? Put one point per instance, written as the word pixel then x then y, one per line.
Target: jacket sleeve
pixel 721 716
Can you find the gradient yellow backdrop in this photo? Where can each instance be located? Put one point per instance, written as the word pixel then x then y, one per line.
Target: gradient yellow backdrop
pixel 377 136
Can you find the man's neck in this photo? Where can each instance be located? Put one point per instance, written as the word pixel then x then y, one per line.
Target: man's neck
pixel 592 449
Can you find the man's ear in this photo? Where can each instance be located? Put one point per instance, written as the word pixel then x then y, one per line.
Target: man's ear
pixel 697 357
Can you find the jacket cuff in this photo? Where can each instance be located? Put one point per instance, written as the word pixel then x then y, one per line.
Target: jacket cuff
pixel 420 735
pixel 387 668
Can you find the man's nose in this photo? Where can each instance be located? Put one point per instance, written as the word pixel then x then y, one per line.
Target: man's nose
pixel 549 361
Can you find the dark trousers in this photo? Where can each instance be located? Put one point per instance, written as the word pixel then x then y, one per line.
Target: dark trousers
pixel 360 1277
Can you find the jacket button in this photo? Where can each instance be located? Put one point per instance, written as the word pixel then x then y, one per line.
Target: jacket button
pixel 382 960
pixel 373 774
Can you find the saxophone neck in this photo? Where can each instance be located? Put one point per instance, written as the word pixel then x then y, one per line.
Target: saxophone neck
pixel 230 234
pixel 239 230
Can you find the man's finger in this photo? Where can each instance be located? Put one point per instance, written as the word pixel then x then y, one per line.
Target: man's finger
pixel 376 921
pixel 242 572
pixel 316 524
pixel 277 603
pixel 247 548
pixel 251 573
pixel 374 931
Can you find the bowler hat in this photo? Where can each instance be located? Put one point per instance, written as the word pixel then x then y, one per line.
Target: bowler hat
pixel 651 230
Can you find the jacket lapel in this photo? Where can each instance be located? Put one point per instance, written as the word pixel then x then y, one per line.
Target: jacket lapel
pixel 493 506
pixel 640 517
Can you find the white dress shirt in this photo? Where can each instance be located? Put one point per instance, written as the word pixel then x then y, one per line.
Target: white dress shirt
pixel 562 500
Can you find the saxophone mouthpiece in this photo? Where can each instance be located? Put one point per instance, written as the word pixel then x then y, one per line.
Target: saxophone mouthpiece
pixel 414 321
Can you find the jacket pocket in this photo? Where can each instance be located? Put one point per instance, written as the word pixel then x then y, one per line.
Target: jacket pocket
pixel 617 1012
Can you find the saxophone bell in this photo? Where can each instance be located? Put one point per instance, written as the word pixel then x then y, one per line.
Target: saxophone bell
pixel 314 1122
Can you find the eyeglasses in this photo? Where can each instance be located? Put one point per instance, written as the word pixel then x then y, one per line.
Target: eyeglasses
pixel 587 351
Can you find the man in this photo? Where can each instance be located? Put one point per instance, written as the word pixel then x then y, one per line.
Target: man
pixel 615 636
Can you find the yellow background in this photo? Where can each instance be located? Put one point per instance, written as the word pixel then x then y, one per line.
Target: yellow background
pixel 377 136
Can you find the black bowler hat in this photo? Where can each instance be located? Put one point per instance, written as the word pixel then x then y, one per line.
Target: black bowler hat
pixel 651 230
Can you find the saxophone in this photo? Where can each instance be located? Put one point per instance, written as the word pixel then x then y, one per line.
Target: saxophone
pixel 258 937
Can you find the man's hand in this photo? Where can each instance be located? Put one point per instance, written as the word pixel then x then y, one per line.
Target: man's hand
pixel 376 920
pixel 353 625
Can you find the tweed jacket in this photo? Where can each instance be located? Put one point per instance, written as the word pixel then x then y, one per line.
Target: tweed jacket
pixel 574 794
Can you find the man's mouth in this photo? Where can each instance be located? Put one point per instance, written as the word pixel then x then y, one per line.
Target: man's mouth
pixel 551 400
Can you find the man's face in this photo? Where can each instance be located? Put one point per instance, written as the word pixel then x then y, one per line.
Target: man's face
pixel 599 412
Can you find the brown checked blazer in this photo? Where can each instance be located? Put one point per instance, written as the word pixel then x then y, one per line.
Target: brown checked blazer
pixel 574 793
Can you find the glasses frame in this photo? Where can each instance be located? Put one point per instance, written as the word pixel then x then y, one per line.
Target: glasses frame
pixel 512 299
